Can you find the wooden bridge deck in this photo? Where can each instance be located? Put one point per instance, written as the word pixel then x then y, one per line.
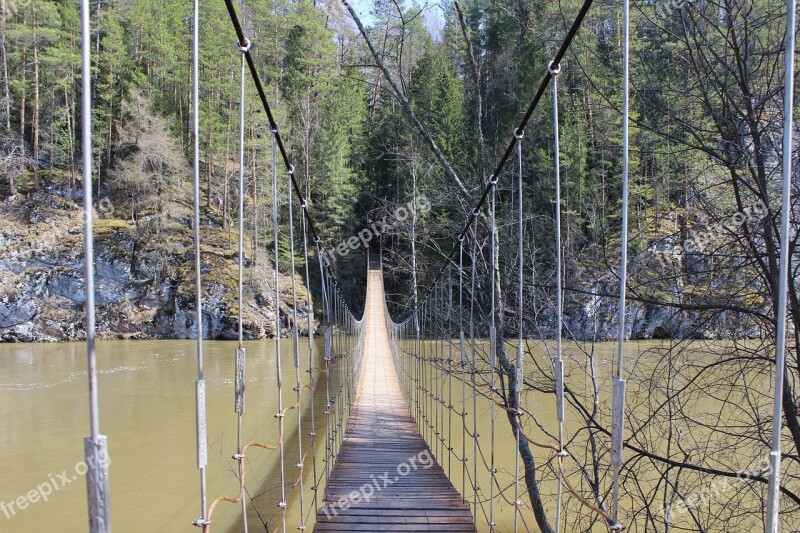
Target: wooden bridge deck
pixel 384 478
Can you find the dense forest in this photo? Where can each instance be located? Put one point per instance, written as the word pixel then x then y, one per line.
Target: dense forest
pixel 410 106
pixel 705 138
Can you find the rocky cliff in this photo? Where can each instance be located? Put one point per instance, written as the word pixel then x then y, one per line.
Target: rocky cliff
pixel 144 254
pixel 144 278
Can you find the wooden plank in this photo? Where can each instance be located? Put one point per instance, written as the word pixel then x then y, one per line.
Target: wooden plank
pixel 368 489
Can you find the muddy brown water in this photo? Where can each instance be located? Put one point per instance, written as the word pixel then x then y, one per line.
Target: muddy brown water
pixel 147 411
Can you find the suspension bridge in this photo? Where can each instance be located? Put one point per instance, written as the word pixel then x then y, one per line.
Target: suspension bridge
pixel 396 434
pixel 384 478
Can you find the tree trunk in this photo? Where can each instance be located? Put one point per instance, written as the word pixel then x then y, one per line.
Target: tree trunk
pixel 22 95
pixel 478 96
pixel 225 170
pixel 35 112
pixel 255 194
pixel 70 106
pixel 5 106
pixel 110 132
pixel 209 158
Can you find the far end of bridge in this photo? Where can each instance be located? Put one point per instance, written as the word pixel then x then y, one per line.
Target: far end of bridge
pixel 385 477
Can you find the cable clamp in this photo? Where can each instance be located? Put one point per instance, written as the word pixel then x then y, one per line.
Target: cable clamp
pixel 616 527
pixel 237 456
pixel 492 524
pixel 518 504
pixel 291 169
pixel 493 179
pixel 246 47
pixel 562 453
pixel 274 128
pixel 492 470
pixel 301 527
pixel 553 69
pixel 278 415
pixel 282 505
pixel 460 237
pixel 475 212
pixel 518 133
pixel 299 465
pixel 201 522
pixel 476 488
pixel 312 434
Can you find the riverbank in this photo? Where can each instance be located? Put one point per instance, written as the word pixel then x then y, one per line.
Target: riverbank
pixel 144 277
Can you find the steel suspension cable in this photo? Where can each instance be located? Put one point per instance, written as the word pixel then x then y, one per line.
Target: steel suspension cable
pixel 308 228
pixel 773 501
pixel 519 373
pixel 438 356
pixel 476 486
pixel 240 352
pixel 618 399
pixel 96 445
pixel 280 414
pixel 449 369
pixel 327 358
pixel 200 384
pixel 554 69
pixel 262 95
pixel 463 362
pixel 312 382
pixel 475 212
pixel 492 338
pixel 296 353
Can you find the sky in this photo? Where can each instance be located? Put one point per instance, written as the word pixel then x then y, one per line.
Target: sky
pixel 434 17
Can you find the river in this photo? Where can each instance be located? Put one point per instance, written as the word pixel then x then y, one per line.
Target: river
pixel 147 410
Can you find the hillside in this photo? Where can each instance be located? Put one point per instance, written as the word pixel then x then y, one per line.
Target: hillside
pixel 143 254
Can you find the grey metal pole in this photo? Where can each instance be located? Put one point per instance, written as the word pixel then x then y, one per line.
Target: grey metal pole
pixel 240 352
pixel 520 316
pixel 95 447
pixel 200 385
pixel 773 497
pixel 559 362
pixel 618 401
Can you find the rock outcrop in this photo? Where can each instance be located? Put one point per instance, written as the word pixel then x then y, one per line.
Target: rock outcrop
pixel 144 288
